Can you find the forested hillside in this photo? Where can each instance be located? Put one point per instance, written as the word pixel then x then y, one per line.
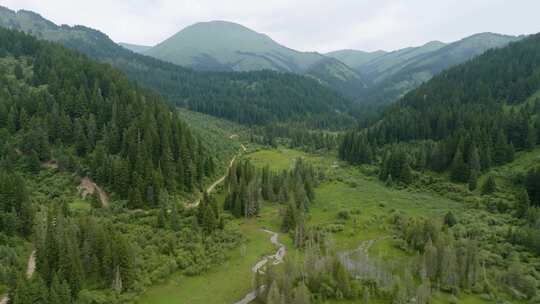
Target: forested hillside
pixel 479 108
pixel 249 98
pixel 64 117
pixel 95 121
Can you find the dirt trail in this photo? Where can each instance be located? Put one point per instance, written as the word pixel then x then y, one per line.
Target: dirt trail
pixel 31 265
pixel 30 269
pixel 88 187
pixel 213 186
pixel 276 259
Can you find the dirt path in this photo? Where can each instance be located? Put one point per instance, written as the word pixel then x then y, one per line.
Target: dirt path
pixel 30 269
pixel 213 186
pixel 276 259
pixel 88 187
pixel 31 265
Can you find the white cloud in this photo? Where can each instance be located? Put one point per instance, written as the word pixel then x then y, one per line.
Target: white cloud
pixel 308 25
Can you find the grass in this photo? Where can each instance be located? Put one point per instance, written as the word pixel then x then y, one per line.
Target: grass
pixel 80 204
pixel 226 284
pixel 348 189
pixel 278 159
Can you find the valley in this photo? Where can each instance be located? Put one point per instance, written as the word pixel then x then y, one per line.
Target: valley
pixel 221 167
pixel 370 206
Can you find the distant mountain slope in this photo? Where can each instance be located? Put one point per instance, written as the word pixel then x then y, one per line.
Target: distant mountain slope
pixel 135 47
pixel 227 46
pixel 389 63
pixel 354 58
pixel 399 79
pixel 248 98
pixel 474 97
pixel 391 75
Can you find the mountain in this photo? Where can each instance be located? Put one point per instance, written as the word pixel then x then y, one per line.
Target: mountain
pixel 250 98
pixel 135 47
pixel 221 45
pixel 429 60
pixel 227 46
pixel 391 75
pixel 355 58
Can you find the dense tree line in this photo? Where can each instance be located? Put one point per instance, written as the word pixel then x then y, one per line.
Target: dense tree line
pixel 296 136
pixel 322 276
pixel 449 259
pixel 248 186
pixel 124 137
pixel 16 214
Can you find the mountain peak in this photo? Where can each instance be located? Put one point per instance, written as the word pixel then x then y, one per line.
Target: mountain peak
pixel 225 45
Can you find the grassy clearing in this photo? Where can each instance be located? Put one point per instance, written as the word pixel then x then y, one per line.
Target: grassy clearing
pixel 348 190
pixel 278 159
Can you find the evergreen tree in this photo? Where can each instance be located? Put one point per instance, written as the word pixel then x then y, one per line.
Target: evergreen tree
pixel 274 296
pixel 450 219
pixel 473 181
pixel 489 186
pixel 302 295
pixel 458 170
pixel 523 203
pixel 59 292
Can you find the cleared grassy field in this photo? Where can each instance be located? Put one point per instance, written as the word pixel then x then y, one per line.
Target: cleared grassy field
pixel 278 159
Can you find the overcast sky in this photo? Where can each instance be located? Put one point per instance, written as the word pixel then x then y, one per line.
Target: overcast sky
pixel 307 25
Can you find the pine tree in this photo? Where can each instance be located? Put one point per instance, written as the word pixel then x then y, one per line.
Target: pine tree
pixel 431 260
pixel 301 294
pixel 342 279
pixel 59 292
pixel 274 296
pixel 522 203
pixel 18 71
pixel 489 186
pixel 458 169
pixel 473 181
pixel 289 218
pixel 450 219
pixel 474 160
pixel 175 218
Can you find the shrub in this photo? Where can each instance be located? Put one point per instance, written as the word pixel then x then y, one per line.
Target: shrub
pixel 344 215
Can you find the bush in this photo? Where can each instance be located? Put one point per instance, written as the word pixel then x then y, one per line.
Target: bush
pixel 344 215
pixel 334 228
